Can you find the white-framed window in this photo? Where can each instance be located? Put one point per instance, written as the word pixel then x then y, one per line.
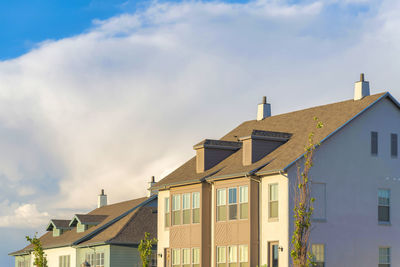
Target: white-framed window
pixel 221 204
pixel 244 255
pixel 273 201
pixel 232 256
pixel 384 257
pixel 91 259
pixel 186 257
pixel 64 261
pixel 176 257
pixel 100 259
pixel 244 202
pixel 195 257
pixel 221 256
pixel 318 252
pixel 176 209
pixel 95 259
pixel 167 213
pixel 318 192
pixel 186 208
pixel 232 203
pixel 384 205
pixel 196 207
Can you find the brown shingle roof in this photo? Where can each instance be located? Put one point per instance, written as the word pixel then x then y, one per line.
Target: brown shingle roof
pixel 299 124
pixel 88 219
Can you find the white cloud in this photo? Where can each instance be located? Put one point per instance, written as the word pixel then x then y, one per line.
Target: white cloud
pixel 22 216
pixel 127 99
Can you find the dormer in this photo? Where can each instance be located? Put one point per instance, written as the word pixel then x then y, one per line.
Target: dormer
pixel 211 152
pixel 85 221
pixel 58 227
pixel 260 143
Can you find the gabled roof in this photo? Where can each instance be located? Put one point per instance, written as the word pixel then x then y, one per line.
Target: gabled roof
pixel 87 219
pixel 59 224
pixel 298 124
pixel 115 218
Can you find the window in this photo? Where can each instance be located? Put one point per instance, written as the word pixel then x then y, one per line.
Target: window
pixel 318 252
pixel 318 192
pixel 221 256
pixel 244 255
pixel 176 209
pixel 90 258
pixel 176 257
pixel 64 261
pixel 232 256
pixel 167 212
pixel 99 259
pixel 384 257
pixel 244 202
pixel 186 208
pixel 232 203
pixel 221 205
pixel 384 205
pixel 374 143
pixel 393 145
pixel 95 259
pixel 23 264
pixel 273 201
pixel 196 257
pixel 196 207
pixel 186 257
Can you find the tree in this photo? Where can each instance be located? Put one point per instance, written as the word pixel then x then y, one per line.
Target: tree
pixel 145 248
pixel 38 252
pixel 303 206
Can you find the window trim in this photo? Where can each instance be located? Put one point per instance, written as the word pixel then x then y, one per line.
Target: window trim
pixel 167 212
pixel 233 204
pixel 324 251
pixel 197 208
pixel 273 219
pixel 240 202
pixel 390 254
pixel 389 205
pixel 221 205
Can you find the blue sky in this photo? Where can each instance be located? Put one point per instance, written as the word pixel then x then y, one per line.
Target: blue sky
pixel 105 94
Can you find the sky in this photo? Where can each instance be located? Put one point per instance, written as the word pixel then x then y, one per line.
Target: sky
pixel 105 94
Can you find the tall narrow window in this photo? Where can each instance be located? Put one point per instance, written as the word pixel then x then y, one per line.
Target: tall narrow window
pixel 384 257
pixel 232 256
pixel 221 256
pixel 196 207
pixel 318 252
pixel 64 261
pixel 176 257
pixel 244 202
pixel 186 257
pixel 244 255
pixel 374 143
pixel 99 260
pixel 221 205
pixel 393 145
pixel 176 209
pixel 167 212
pixel 273 201
pixel 233 207
pixel 196 257
pixel 90 258
pixel 384 205
pixel 186 208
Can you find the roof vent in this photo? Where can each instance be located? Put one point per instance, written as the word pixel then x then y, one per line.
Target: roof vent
pixel 102 199
pixel 264 109
pixel 261 143
pixel 211 152
pixel 361 88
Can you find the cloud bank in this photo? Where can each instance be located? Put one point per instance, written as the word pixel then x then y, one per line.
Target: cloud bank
pixel 128 98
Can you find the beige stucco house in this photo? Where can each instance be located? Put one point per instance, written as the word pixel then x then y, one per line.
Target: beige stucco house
pixel 231 204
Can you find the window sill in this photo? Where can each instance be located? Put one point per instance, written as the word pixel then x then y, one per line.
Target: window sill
pixel 385 223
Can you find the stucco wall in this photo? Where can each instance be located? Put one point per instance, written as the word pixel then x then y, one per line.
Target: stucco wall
pixel 54 254
pixel 163 232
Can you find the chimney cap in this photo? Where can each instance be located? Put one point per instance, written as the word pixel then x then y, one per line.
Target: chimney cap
pixel 362 77
pixel 102 192
pixel 264 100
pixel 153 179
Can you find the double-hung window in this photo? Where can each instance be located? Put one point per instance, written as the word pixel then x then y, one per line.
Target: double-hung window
pixel 221 204
pixel 318 252
pixel 176 257
pixel 221 256
pixel 384 205
pixel 232 256
pixel 100 259
pixel 195 257
pixel 186 208
pixel 186 257
pixel 244 202
pixel 384 257
pixel 196 207
pixel 393 145
pixel 176 209
pixel 232 203
pixel 167 213
pixel 244 255
pixel 273 201
pixel 64 261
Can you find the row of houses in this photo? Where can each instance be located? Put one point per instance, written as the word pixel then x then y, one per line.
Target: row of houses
pixel 231 204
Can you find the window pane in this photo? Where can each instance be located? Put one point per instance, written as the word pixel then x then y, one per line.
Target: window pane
pixel 166 204
pixel 176 202
pixel 384 255
pixel 186 201
pixel 232 254
pixel 243 253
pixel 384 214
pixel 273 192
pixel 374 143
pixel 176 217
pixel 244 194
pixel 393 145
pixel 244 211
pixel 186 217
pixel 185 256
pixel 196 200
pixel 167 219
pixel 221 213
pixel 384 197
pixel 273 209
pixel 318 251
pixel 221 197
pixel 176 256
pixel 233 212
pixel 196 255
pixel 221 254
pixel 232 195
pixel 196 215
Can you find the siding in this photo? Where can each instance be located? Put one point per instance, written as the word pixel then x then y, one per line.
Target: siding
pixel 124 256
pixel 26 259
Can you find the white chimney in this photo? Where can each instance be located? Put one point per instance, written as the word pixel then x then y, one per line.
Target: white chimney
pixel 264 110
pixel 151 183
pixel 361 88
pixel 102 199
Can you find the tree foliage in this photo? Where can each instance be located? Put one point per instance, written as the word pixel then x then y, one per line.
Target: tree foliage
pixel 38 252
pixel 303 206
pixel 145 248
